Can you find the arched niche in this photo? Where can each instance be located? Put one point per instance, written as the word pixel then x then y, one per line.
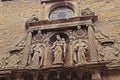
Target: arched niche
pixel 62 35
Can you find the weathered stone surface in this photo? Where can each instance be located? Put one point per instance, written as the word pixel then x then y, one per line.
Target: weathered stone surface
pixel 15 14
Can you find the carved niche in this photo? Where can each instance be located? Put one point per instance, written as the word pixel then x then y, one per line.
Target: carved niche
pixel 80 52
pixel 59 47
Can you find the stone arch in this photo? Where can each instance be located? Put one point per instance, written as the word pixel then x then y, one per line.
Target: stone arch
pixel 61 4
pixel 62 35
pixel 53 39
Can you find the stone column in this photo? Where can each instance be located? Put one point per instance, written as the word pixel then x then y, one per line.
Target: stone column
pixel 92 43
pixel 69 59
pixel 27 49
pixel 96 75
pixel 46 57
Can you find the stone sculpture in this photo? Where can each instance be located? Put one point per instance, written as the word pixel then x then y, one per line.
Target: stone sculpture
pixel 59 50
pixel 109 53
pixel 80 49
pixel 37 58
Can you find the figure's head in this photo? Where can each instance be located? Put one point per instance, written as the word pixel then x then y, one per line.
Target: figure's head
pixel 58 37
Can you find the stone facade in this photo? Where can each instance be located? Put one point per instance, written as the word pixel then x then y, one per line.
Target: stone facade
pixel 60 40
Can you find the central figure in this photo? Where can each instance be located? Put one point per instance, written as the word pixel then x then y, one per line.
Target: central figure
pixel 59 50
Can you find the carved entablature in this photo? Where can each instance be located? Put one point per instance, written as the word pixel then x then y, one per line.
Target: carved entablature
pixel 62 42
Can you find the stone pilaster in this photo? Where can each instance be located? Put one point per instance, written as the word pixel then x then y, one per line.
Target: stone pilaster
pixel 46 57
pixel 69 61
pixel 92 43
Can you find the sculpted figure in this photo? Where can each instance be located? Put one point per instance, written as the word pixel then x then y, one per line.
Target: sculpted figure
pixel 37 58
pixel 59 49
pixel 80 49
pixel 108 53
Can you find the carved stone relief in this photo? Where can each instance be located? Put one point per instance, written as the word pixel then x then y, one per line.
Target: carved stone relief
pixel 13 58
pixel 37 55
pixel 109 52
pixel 59 50
pixel 80 32
pixel 80 52
pixel 87 12
pixel 39 37
pixel 58 47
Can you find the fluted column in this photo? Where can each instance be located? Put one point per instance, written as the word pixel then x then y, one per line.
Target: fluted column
pixel 92 43
pixel 27 49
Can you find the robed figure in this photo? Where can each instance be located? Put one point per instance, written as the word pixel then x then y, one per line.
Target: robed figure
pixel 59 50
pixel 80 50
pixel 37 58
